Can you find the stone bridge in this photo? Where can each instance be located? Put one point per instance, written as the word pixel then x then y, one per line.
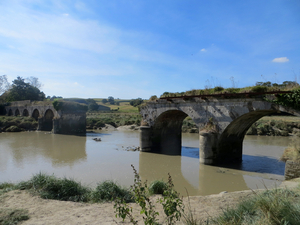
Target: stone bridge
pixel 60 122
pixel 222 125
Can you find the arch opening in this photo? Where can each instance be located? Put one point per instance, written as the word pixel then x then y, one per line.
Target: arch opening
pixel 10 112
pixel 230 142
pixel 35 114
pixel 25 112
pixel 167 132
pixel 48 120
pixel 17 112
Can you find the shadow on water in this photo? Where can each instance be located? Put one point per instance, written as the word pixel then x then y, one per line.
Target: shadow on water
pixel 190 152
pixel 250 163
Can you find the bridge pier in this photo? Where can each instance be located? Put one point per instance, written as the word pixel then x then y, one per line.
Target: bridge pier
pixel 207 147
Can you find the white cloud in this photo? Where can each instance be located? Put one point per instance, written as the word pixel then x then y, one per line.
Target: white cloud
pixel 281 60
pixel 203 50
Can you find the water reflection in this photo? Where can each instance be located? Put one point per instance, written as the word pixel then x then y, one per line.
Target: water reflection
pixel 82 158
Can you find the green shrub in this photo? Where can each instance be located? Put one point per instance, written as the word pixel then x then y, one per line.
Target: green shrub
pixel 157 187
pixel 12 216
pixel 270 207
pixel 259 89
pixel 110 191
pixel 218 89
pixel 50 187
pixel 13 129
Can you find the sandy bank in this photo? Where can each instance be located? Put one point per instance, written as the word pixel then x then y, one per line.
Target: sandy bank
pixel 42 211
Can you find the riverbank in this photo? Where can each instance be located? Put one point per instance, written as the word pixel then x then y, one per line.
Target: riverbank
pixel 43 211
pixel 268 126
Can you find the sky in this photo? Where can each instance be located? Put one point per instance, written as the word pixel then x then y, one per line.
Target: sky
pixel 138 48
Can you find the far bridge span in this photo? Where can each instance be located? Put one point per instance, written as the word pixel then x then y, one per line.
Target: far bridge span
pixel 222 124
pixel 49 119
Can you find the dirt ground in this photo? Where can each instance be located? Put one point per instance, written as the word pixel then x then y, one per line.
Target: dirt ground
pixel 42 211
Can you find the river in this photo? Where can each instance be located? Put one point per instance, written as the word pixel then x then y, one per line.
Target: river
pixel 80 157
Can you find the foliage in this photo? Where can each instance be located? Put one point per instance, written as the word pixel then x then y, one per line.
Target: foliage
pixel 50 187
pixel 141 194
pixel 68 106
pixel 153 98
pixel 93 106
pixel 4 85
pixel 111 100
pixel 289 99
pixel 172 203
pixel 110 191
pixel 23 123
pixel 270 207
pixel 12 216
pixel 20 90
pixel 114 119
pixel 292 152
pixel 157 187
pixel 34 81
pixel 104 101
pixel 259 89
pixel 13 129
pixel 136 102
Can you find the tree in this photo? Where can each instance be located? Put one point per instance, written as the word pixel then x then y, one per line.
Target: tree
pixel 20 90
pixel 34 81
pixel 104 101
pixel 111 100
pixel 136 102
pixel 4 85
pixel 93 106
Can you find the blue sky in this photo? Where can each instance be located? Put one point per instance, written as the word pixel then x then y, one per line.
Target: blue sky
pixel 139 48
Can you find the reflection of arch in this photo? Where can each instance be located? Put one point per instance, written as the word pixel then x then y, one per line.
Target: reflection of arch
pixel 35 114
pixel 10 113
pixel 25 112
pixel 167 132
pixel 48 117
pixel 17 112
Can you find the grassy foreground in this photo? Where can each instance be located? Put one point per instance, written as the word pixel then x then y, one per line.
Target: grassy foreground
pixel 277 206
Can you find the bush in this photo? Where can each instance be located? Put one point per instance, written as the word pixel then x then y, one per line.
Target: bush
pixel 13 129
pixel 110 191
pixel 157 187
pixel 270 207
pixel 50 187
pixel 259 89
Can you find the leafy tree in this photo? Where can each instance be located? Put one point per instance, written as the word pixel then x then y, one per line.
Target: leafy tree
pixel 136 102
pixel 20 90
pixel 111 100
pixel 93 106
pixel 104 101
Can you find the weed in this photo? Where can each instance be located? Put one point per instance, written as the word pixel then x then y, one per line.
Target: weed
pixel 172 203
pixel 12 216
pixel 110 191
pixel 157 187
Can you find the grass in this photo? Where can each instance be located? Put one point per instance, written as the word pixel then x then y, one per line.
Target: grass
pixel 12 216
pixel 64 189
pixel 277 206
pixel 157 187
pixel 292 152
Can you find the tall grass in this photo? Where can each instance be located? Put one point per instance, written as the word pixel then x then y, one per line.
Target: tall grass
pixel 271 207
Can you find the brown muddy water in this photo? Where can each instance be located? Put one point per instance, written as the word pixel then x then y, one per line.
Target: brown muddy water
pixel 27 153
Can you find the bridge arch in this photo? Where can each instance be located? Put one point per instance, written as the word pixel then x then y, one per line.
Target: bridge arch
pixel 10 112
pixel 222 125
pixel 17 112
pixel 48 120
pixel 25 112
pixel 166 132
pixel 35 114
pixel 230 141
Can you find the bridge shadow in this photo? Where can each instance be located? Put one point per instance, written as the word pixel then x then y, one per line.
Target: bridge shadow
pixel 250 163
pixel 190 152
